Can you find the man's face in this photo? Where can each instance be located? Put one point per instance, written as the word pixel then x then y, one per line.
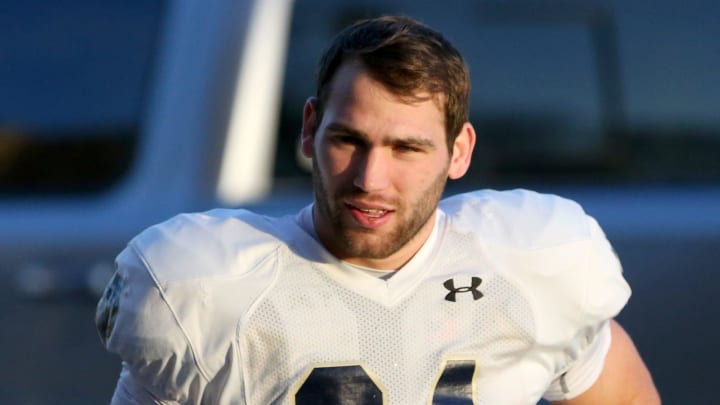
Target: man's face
pixel 380 164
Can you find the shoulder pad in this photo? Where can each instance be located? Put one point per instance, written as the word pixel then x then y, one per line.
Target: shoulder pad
pixel 519 218
pixel 213 243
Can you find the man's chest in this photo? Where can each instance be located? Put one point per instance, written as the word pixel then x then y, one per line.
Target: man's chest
pixel 461 335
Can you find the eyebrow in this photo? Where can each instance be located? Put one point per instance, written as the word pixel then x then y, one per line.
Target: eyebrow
pixel 391 140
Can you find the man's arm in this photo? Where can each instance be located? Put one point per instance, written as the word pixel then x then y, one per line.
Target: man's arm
pixel 624 380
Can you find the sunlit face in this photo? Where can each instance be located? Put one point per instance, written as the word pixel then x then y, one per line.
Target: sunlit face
pixel 380 164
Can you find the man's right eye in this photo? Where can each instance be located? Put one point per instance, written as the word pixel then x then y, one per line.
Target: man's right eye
pixel 346 140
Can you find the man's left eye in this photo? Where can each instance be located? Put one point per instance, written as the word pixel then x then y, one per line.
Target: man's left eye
pixel 406 148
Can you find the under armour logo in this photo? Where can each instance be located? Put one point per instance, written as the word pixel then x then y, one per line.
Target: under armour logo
pixel 472 288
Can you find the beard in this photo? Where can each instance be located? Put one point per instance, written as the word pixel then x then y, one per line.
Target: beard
pixel 351 241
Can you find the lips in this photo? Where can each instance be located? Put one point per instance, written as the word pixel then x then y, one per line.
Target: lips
pixel 368 216
pixel 372 212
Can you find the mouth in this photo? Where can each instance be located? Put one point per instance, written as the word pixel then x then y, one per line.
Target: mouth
pixel 370 217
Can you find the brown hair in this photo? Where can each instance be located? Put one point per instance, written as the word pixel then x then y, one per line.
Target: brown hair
pixel 407 57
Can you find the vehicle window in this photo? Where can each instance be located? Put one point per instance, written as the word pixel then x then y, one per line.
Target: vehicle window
pixel 562 92
pixel 74 77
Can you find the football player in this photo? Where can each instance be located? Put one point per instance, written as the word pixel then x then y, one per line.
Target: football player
pixel 378 292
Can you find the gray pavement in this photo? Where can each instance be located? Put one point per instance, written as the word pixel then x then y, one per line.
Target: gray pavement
pixel 51 352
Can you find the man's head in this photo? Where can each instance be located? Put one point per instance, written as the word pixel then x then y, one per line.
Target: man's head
pixel 378 135
pixel 408 58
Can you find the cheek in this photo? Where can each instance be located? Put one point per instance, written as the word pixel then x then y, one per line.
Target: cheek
pixel 333 169
pixel 422 174
pixel 334 163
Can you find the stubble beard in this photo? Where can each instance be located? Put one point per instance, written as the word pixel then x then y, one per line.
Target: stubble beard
pixel 354 242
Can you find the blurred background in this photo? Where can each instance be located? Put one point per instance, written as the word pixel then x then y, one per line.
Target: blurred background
pixel 117 114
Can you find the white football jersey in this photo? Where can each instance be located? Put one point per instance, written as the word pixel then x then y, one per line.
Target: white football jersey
pixel 507 302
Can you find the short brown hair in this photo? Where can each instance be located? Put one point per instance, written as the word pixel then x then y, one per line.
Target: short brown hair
pixel 408 58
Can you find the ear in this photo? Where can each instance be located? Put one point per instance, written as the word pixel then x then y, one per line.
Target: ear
pixel 309 126
pixel 462 152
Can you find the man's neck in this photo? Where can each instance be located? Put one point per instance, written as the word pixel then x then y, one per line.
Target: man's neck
pixel 395 261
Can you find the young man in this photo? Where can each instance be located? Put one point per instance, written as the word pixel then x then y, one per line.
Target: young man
pixel 378 293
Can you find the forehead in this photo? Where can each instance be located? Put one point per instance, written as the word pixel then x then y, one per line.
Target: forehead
pixel 352 74
pixel 355 95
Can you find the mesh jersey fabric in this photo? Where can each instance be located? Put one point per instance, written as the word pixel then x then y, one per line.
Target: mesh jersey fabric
pixel 509 304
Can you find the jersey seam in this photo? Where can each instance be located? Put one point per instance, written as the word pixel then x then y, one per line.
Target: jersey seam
pixel 196 359
pixel 251 310
pixel 252 307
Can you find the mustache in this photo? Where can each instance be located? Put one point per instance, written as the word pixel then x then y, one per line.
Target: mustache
pixel 354 193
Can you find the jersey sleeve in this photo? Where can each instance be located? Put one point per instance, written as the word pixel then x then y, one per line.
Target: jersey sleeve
pixel 604 293
pixel 130 391
pixel 592 349
pixel 135 322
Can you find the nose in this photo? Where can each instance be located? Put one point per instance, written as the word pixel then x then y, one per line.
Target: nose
pixel 373 171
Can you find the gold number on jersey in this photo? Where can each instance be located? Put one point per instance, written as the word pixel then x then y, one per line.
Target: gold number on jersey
pixel 352 384
pixel 456 383
pixel 344 383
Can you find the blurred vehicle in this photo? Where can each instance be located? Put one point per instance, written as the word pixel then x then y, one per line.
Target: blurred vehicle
pixel 119 114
